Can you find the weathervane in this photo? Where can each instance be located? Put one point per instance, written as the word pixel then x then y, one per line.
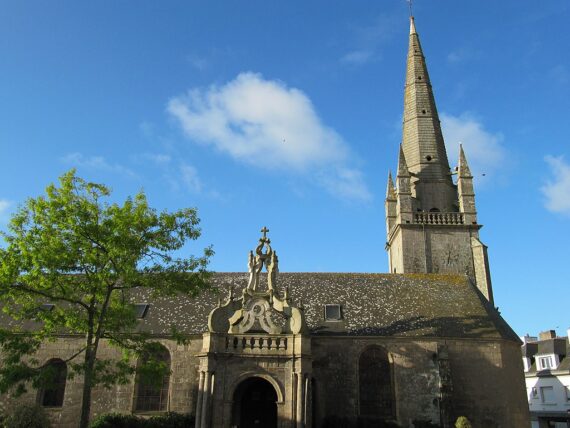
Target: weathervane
pixel 410 5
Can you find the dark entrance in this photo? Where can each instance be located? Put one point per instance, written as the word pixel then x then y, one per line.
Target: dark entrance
pixel 255 404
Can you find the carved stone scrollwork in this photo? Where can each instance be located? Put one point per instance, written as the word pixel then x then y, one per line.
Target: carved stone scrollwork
pixel 256 310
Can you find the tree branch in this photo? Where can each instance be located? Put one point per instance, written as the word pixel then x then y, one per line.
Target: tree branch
pixel 51 297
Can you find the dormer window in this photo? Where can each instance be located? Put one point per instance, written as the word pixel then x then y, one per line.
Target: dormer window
pixel 333 313
pixel 141 309
pixel 546 363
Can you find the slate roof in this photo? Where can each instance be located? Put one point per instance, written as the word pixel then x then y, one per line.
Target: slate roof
pixel 552 346
pixel 557 345
pixel 410 305
pixel 416 305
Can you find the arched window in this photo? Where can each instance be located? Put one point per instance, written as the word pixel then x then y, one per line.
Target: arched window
pixel 52 394
pixel 153 395
pixel 375 384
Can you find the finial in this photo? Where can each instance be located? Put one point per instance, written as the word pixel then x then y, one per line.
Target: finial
pixel 410 5
pixel 264 230
pixel 463 169
pixel 402 165
pixel 390 192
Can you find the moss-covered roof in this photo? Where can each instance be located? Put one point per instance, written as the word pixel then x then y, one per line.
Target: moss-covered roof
pixel 416 305
pixel 410 305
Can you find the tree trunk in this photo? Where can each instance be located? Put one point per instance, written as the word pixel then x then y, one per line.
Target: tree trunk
pixel 87 387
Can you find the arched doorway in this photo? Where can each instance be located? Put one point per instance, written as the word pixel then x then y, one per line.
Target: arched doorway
pixel 255 404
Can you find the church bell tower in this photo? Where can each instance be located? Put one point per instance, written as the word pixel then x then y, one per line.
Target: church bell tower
pixel 431 221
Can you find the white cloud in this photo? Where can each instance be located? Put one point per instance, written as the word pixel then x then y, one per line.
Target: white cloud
pixel 147 129
pixel 198 62
pixel 96 163
pixel 369 39
pixel 357 57
pixel 5 206
pixel 269 125
pixel 179 177
pixel 463 54
pixel 159 159
pixel 557 190
pixel 190 178
pixel 483 148
pixel 346 183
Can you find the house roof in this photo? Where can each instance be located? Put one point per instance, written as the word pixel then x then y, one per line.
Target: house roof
pixel 410 305
pixel 372 304
pixel 558 345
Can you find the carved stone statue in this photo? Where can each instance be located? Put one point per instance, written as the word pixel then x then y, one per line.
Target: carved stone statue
pixel 258 309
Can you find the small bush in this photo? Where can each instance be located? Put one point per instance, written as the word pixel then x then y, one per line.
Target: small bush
pixel 117 420
pixel 462 422
pixel 27 416
pixel 425 424
pixel 372 422
pixel 170 420
pixel 337 422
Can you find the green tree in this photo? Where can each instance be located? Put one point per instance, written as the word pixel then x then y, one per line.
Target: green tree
pixel 85 255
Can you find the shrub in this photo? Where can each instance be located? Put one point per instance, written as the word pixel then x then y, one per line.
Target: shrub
pixel 117 420
pixel 425 424
pixel 27 416
pixel 372 422
pixel 462 422
pixel 170 420
pixel 337 422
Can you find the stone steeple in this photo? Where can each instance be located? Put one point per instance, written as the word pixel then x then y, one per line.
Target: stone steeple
pixel 422 139
pixel 431 221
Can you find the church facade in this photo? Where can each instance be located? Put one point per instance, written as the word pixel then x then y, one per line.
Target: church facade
pixel 416 347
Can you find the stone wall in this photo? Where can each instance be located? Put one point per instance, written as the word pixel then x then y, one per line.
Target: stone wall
pixel 120 399
pixel 487 380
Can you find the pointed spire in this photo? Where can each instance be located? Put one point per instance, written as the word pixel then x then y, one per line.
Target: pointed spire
pixel 390 189
pixel 402 165
pixel 464 170
pixel 422 138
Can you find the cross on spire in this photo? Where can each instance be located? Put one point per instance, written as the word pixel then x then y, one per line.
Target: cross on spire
pixel 264 231
pixel 410 5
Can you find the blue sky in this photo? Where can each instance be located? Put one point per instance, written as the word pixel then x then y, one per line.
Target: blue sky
pixel 288 114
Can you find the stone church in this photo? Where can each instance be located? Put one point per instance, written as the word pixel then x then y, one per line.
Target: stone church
pixel 416 347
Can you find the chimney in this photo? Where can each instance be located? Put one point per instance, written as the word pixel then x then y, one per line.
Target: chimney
pixel 545 335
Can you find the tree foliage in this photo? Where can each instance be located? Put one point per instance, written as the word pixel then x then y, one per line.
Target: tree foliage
pixel 87 257
pixel 27 416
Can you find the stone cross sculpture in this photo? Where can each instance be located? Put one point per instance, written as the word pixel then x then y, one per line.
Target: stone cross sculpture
pixel 257 309
pixel 267 259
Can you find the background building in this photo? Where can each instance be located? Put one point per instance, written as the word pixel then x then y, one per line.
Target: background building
pixel 547 376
